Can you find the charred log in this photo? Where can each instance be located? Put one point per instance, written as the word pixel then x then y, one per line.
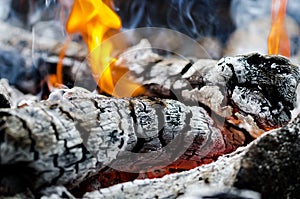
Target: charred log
pixel 264 167
pixel 247 83
pixel 75 134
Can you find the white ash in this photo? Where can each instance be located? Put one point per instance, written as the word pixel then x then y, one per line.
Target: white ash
pixel 201 65
pixel 212 97
pixel 250 103
pixel 140 54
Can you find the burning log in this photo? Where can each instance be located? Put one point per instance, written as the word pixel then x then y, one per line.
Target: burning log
pixel 264 166
pixel 77 137
pixel 247 83
pixel 62 142
pixel 76 134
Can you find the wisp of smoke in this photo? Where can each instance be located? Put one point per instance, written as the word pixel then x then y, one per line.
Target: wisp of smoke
pixel 195 18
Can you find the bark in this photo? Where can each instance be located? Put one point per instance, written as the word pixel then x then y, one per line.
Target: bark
pixel 75 134
pixel 245 84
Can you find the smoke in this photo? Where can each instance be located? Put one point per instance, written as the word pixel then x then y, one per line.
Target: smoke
pixel 245 11
pixel 195 18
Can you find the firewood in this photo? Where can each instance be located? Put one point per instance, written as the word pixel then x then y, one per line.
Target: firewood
pixel 253 167
pixel 263 166
pixel 75 134
pixel 262 88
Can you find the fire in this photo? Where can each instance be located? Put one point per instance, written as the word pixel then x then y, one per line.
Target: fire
pixel 278 41
pixel 94 19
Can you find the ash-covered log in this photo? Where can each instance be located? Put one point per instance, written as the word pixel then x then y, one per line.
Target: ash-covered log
pixel 268 166
pixel 261 87
pixel 75 134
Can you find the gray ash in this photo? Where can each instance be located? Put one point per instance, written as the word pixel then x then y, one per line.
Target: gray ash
pixel 262 86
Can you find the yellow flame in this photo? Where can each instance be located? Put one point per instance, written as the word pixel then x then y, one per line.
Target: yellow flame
pixel 93 19
pixel 278 40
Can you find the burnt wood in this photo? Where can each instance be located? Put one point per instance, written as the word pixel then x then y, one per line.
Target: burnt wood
pixel 75 134
pixel 266 168
pixel 260 87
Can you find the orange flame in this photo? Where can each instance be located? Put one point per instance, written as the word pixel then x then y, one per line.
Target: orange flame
pixel 278 41
pixel 93 19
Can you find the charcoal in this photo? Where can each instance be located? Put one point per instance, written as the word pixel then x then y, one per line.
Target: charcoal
pixel 75 134
pixel 219 193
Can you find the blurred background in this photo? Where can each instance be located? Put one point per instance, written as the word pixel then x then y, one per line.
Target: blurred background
pixel 226 27
pixel 221 27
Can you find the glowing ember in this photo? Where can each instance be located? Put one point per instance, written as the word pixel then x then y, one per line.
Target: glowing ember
pixel 278 41
pixel 93 19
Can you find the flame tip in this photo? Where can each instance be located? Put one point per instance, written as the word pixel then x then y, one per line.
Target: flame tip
pixel 98 19
pixel 278 40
